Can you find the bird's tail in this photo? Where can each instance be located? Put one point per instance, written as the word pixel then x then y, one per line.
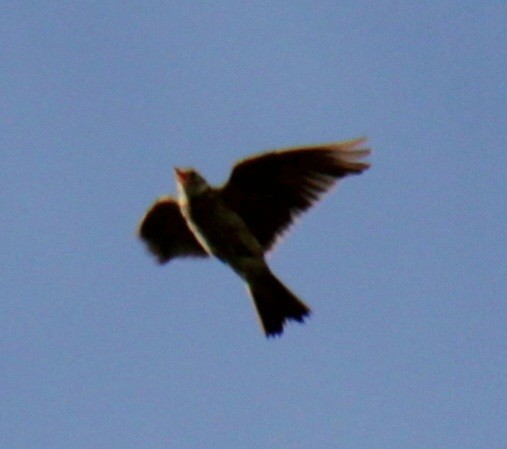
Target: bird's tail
pixel 275 303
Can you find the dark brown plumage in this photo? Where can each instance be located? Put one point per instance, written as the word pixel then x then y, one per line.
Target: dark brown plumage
pixel 166 232
pixel 240 221
pixel 282 184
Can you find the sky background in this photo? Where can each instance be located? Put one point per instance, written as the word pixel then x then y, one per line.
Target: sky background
pixel 405 266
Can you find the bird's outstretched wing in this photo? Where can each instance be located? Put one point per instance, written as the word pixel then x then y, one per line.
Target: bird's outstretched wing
pixel 166 233
pixel 268 190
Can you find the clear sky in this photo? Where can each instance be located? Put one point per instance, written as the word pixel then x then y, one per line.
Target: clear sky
pixel 404 266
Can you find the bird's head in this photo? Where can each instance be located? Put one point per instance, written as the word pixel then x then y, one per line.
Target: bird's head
pixel 190 182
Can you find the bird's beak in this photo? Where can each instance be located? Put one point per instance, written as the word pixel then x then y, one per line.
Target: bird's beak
pixel 181 175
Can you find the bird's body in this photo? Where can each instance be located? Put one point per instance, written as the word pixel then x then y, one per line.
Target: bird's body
pixel 219 230
pixel 239 222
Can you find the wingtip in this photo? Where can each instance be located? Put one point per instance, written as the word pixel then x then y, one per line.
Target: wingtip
pixel 355 146
pixel 352 152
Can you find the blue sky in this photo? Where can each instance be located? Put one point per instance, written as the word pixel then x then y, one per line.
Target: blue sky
pixel 404 266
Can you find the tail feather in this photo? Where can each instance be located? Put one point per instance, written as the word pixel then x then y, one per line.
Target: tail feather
pixel 275 303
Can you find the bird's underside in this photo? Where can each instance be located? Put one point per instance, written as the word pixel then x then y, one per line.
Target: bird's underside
pixel 241 220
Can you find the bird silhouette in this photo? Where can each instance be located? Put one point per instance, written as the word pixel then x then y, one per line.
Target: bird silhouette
pixel 242 220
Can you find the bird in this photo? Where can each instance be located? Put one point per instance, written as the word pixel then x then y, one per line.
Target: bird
pixel 242 220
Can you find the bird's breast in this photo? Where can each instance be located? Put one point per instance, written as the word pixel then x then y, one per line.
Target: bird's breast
pixel 219 229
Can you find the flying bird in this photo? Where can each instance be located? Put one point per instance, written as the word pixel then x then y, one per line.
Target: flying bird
pixel 240 222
